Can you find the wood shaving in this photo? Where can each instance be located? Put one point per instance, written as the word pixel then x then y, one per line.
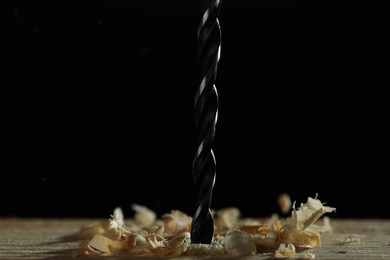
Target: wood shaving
pixel 353 239
pixel 143 215
pixel 239 243
pixel 297 230
pixel 288 251
pixel 176 221
pixel 145 235
pixel 284 203
pixel 285 251
pixel 308 256
pixel 227 218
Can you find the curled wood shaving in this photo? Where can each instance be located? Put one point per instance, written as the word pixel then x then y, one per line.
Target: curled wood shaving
pixel 239 243
pixel 227 218
pixel 284 203
pixel 176 221
pixel 143 215
pixel 285 251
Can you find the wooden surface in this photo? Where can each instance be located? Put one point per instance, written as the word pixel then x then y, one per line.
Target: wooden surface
pixel 54 239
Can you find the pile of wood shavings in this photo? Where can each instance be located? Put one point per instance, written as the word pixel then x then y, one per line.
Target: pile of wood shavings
pixel 145 235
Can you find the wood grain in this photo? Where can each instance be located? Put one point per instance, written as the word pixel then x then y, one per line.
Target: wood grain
pixel 54 239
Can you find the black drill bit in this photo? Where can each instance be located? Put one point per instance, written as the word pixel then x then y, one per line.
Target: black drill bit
pixel 206 114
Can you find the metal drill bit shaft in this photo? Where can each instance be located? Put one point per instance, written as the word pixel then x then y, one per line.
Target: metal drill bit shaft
pixel 206 113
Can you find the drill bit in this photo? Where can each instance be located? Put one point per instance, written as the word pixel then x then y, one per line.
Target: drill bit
pixel 206 114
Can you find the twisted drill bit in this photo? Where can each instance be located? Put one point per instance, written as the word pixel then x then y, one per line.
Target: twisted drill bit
pixel 206 113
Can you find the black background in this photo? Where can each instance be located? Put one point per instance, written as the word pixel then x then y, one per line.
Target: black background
pixel 97 106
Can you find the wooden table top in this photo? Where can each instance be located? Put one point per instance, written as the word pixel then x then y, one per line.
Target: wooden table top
pixel 54 239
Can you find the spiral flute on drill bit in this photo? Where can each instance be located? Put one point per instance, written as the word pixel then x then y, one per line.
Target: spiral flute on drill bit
pixel 206 113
